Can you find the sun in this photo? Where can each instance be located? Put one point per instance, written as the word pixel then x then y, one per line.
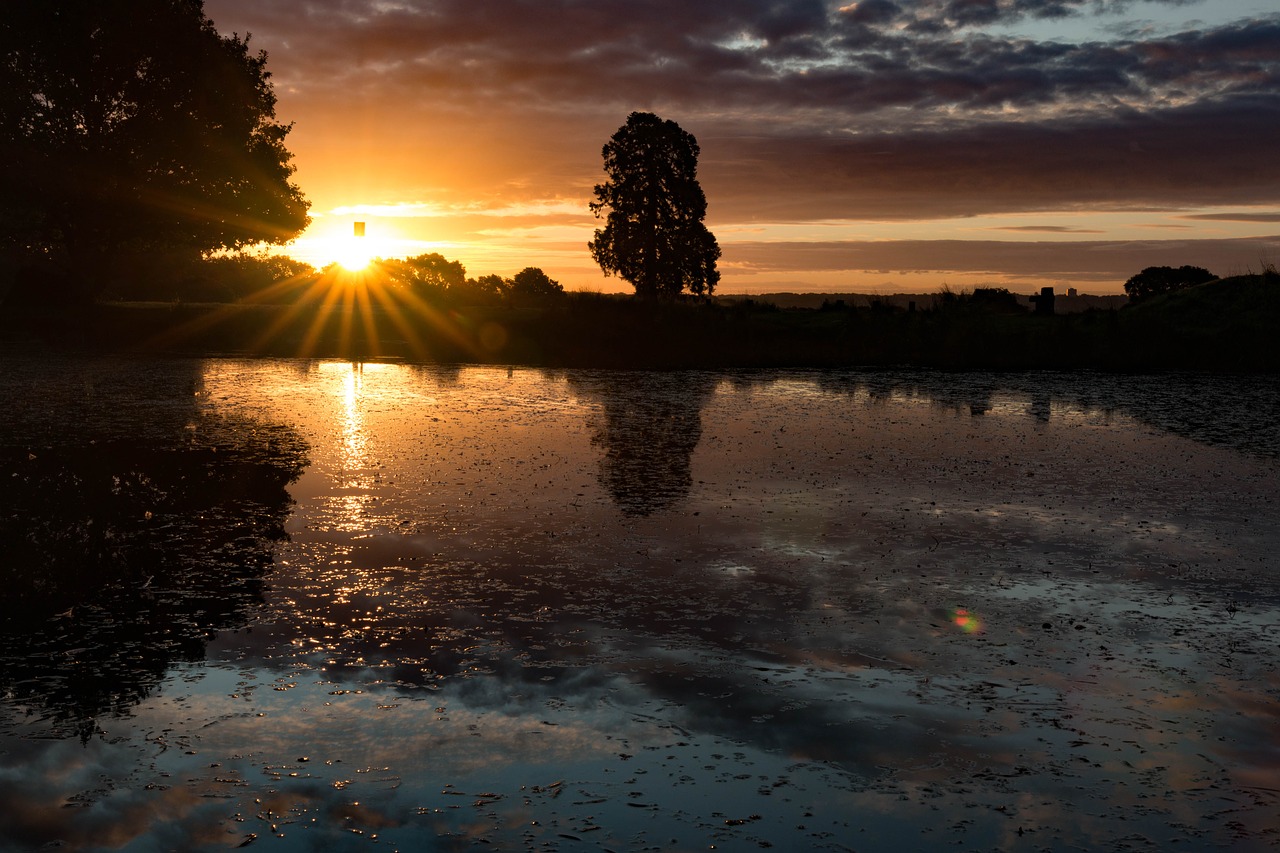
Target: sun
pixel 354 254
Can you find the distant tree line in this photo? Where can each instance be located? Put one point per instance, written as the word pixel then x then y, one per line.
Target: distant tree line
pixel 268 278
pixel 435 278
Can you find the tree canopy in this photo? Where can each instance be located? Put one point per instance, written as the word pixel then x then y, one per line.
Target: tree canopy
pixel 1153 281
pixel 653 206
pixel 533 282
pixel 128 126
pixel 429 275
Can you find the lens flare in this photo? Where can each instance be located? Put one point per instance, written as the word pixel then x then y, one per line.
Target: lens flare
pixel 966 621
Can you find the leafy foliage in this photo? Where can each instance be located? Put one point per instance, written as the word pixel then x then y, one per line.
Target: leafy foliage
pixel 1154 281
pixel 533 282
pixel 654 236
pixel 128 126
pixel 991 300
pixel 436 279
pixel 485 290
pixel 429 275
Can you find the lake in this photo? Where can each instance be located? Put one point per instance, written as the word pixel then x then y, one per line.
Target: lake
pixel 316 605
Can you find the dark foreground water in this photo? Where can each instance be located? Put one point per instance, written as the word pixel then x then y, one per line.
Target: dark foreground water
pixel 302 605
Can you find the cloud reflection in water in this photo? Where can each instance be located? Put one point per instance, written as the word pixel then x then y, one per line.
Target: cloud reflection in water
pixel 474 599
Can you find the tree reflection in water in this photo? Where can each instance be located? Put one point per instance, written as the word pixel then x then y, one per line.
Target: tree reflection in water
pixel 1207 408
pixel 125 553
pixel 648 426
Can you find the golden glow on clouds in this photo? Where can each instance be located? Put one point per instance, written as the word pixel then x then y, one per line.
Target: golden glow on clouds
pixel 427 210
pixel 531 226
pixel 553 235
pixel 407 209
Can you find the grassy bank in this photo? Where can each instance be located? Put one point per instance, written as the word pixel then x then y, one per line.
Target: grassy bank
pixel 1225 325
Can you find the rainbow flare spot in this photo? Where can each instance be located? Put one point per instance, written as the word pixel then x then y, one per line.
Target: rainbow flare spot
pixel 966 621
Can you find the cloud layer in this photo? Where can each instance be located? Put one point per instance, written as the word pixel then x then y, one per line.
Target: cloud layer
pixel 805 110
pixel 1102 260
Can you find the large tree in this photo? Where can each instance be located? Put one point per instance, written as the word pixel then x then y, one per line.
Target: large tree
pixel 132 126
pixel 429 276
pixel 654 236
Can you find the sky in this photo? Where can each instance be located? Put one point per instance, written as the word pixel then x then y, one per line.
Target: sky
pixel 858 146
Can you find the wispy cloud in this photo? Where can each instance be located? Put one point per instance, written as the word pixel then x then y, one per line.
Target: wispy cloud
pixel 1047 229
pixel 427 210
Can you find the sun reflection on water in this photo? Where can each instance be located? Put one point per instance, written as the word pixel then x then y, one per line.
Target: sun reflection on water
pixel 355 473
pixel 355 437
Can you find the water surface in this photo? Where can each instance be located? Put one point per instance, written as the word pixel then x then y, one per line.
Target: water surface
pixel 315 605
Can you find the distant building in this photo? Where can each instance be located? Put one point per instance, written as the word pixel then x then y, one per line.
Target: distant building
pixel 1044 301
pixel 1071 291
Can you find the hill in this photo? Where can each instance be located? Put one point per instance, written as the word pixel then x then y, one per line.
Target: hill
pixel 1231 323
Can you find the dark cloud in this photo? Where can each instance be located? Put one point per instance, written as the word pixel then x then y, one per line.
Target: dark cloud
pixel 932 16
pixel 881 108
pixel 1234 217
pixel 1205 154
pixel 1101 260
pixel 770 55
pixel 1048 229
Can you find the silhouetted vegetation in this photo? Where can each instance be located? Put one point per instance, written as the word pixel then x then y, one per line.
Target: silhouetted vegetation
pixel 426 309
pixel 532 282
pixel 428 276
pixel 654 236
pixel 130 130
pixel 1154 281
pixel 435 280
pixel 1227 324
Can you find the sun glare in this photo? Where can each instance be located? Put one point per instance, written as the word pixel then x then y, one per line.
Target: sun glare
pixel 353 253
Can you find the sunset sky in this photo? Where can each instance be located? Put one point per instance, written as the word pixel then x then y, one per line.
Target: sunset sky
pixel 875 146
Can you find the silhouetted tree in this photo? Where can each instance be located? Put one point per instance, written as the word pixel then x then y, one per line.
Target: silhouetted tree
pixel 487 289
pixel 532 281
pixel 257 275
pixel 1153 281
pixel 654 236
pixel 996 300
pixel 430 275
pixel 128 126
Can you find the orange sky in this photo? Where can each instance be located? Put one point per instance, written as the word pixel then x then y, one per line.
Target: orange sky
pixel 874 146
